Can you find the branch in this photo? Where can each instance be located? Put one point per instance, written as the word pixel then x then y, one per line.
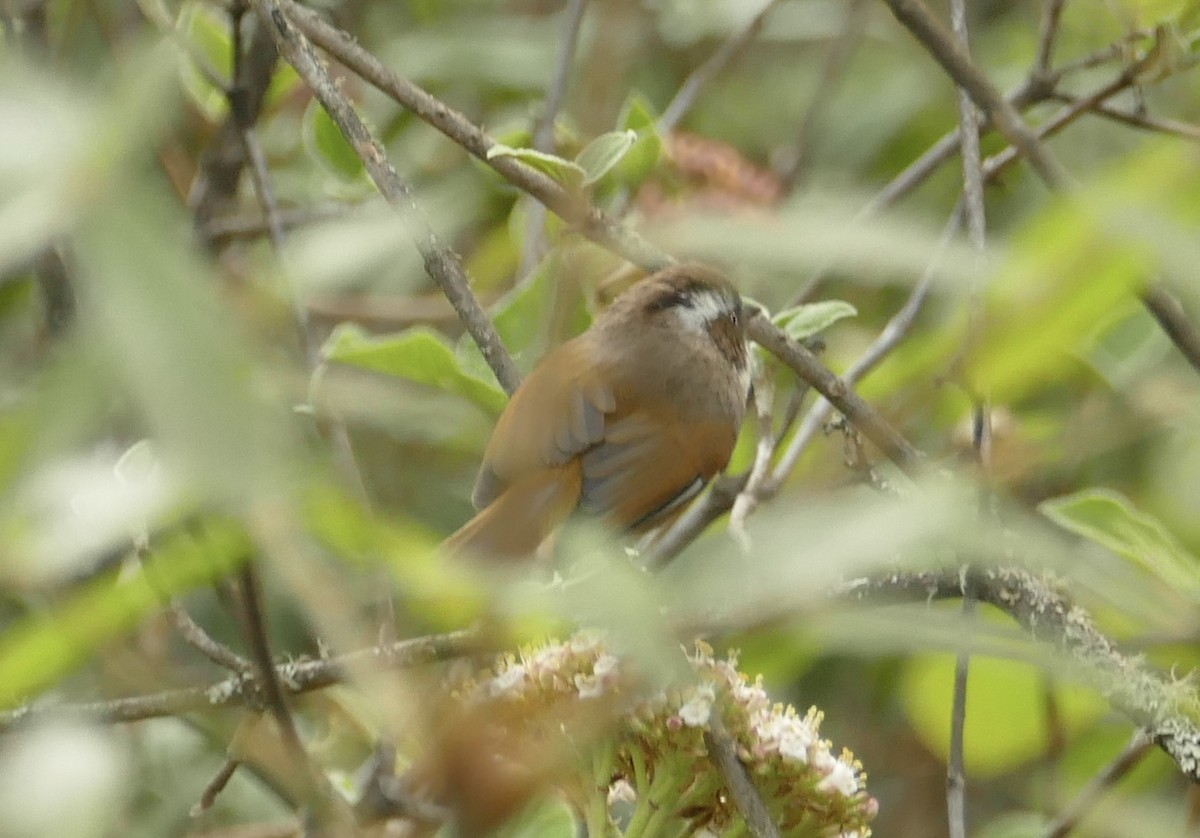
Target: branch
pixel 1169 313
pixel 958 64
pixel 216 185
pixel 296 677
pixel 741 788
pixel 1186 130
pixel 1051 15
pixel 837 56
pixel 973 210
pixel 1112 774
pixel 1164 707
pixel 441 263
pixel 729 52
pixel 574 209
pixel 543 134
pixel 805 364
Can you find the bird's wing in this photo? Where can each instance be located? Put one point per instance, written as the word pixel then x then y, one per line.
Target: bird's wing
pixel 558 413
pixel 648 466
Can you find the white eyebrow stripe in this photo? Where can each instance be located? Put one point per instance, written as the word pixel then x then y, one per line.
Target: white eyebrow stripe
pixel 704 310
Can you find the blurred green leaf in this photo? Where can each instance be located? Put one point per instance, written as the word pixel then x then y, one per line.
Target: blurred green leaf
pixel 521 318
pixel 444 595
pixel 41 649
pixel 647 151
pixel 1109 519
pixel 419 355
pixel 551 818
pixel 571 175
pixel 804 321
pixel 207 30
pixel 637 114
pixel 603 153
pixel 177 352
pixel 325 142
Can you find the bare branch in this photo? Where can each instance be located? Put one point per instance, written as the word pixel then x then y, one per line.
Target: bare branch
pixel 543 133
pixel 1112 774
pixel 1169 313
pixel 808 367
pixel 215 786
pixel 741 788
pixel 201 641
pixel 296 677
pixel 591 222
pixel 973 210
pixel 1186 130
pixel 728 53
pixel 837 56
pixel 440 262
pixel 955 61
pixel 1158 703
pixel 1051 15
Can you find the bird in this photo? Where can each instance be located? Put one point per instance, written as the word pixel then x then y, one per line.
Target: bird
pixel 626 422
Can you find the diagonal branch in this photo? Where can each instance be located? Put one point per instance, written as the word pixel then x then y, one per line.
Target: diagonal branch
pixel 296 677
pixel 1166 708
pixel 954 59
pixel 441 263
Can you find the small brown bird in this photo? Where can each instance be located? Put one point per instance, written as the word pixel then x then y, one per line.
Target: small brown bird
pixel 628 421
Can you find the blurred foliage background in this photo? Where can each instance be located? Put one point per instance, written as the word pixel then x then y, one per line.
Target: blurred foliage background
pixel 179 392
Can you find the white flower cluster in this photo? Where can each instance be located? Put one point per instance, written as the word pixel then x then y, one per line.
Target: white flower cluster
pixel 803 782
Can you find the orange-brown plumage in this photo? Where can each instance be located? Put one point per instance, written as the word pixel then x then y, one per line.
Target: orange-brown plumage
pixel 627 421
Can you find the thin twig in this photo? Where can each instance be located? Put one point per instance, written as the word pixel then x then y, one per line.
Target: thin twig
pixel 250 590
pixel 942 45
pixel 1186 130
pixel 215 786
pixel 246 226
pixel 837 56
pixel 747 499
pixel 574 209
pixel 296 677
pixel 956 774
pixel 1112 774
pixel 543 133
pixel 976 220
pixel 749 802
pixel 1051 15
pixel 1169 313
pixel 191 631
pixel 202 641
pixel 728 53
pixel 215 188
pixel 805 364
pixel 441 263
pixel 1148 698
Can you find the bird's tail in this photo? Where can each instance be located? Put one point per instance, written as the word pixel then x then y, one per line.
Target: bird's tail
pixel 522 517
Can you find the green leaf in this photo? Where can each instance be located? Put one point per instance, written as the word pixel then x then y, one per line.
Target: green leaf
pixel 1109 519
pixel 570 175
pixel 603 153
pixel 324 140
pixel 647 151
pixel 637 114
pixel 806 320
pixel 521 317
pixel 209 34
pixel 39 650
pixel 419 355
pixel 549 818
